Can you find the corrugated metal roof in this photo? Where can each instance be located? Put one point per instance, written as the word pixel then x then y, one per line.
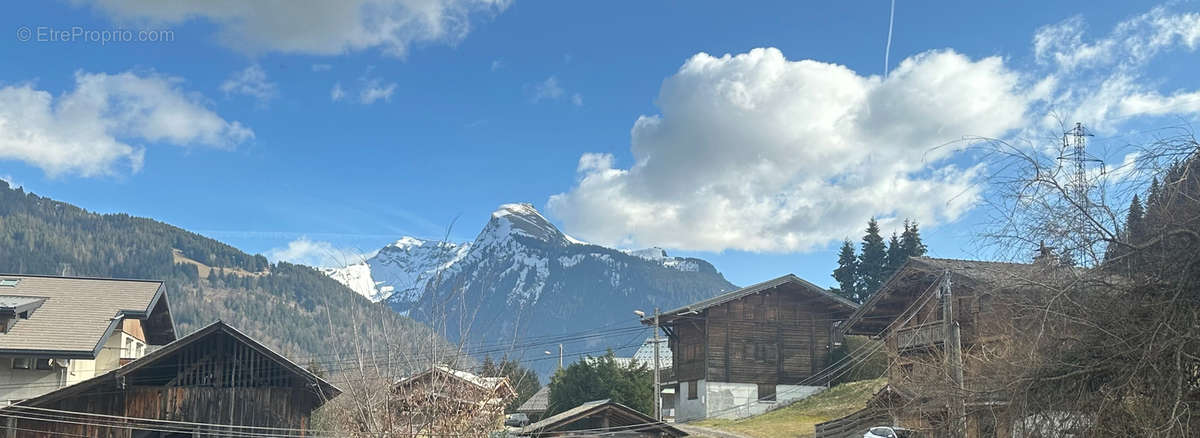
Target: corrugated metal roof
pixel 78 312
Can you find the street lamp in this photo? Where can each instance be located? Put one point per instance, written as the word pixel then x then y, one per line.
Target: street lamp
pixel 657 390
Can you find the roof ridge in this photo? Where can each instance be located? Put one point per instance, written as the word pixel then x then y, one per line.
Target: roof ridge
pixel 80 277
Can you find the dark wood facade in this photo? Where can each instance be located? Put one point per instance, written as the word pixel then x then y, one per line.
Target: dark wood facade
pixel 214 376
pixel 908 314
pixel 778 332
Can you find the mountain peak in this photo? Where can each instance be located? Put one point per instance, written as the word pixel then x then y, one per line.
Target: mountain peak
pixel 524 220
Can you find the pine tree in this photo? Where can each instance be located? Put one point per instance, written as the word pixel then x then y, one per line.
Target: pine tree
pixel 895 256
pixel 910 240
pixel 872 261
pixel 1134 230
pixel 846 272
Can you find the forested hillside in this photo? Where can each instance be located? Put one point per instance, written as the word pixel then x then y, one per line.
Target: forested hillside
pixel 292 308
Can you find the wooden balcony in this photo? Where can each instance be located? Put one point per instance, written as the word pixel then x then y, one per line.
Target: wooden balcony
pixel 922 335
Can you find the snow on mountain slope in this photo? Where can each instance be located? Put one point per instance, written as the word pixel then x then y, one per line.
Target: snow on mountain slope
pixel 523 277
pixel 401 271
pixel 402 268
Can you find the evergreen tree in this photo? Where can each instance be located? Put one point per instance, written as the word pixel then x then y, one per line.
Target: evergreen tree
pixel 846 272
pixel 1134 230
pixel 596 378
pixel 895 257
pixel 910 240
pixel 872 261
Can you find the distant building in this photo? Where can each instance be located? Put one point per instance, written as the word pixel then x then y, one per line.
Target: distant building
pixel 57 331
pixel 739 353
pixel 601 418
pixel 645 356
pixel 537 405
pixel 214 382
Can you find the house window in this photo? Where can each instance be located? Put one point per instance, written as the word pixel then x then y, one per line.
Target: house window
pixel 21 363
pixel 691 388
pixel 9 282
pixel 43 363
pixel 766 392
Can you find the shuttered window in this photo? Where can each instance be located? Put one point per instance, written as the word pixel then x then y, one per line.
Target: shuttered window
pixel 691 390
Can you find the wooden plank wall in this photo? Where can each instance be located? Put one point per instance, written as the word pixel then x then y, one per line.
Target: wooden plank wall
pixel 769 338
pixel 687 349
pixel 215 380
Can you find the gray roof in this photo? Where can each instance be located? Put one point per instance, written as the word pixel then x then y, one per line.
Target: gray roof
pixel 628 420
pixel 754 289
pixel 898 289
pixel 78 313
pixel 537 403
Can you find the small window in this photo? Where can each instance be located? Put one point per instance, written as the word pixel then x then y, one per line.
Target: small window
pixel 43 363
pixel 21 363
pixel 766 392
pixel 692 390
pixel 9 282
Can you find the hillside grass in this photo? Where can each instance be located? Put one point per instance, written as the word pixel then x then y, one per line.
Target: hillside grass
pixel 799 419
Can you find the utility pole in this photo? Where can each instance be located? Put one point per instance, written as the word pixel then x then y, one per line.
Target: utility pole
pixel 953 345
pixel 655 340
pixel 657 393
pixel 560 356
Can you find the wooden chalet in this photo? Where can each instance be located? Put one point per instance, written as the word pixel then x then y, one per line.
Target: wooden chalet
pixel 601 418
pixel 446 401
pixel 216 381
pixel 947 371
pixel 739 353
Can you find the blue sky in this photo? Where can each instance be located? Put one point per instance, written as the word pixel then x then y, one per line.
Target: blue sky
pixel 352 128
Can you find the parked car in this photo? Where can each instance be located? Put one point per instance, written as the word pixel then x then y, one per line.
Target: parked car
pixel 516 420
pixel 890 432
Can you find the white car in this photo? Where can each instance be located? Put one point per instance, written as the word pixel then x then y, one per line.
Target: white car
pixel 889 432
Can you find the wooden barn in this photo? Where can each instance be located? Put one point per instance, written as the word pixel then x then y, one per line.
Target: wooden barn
pixel 739 353
pixel 947 333
pixel 215 381
pixel 601 418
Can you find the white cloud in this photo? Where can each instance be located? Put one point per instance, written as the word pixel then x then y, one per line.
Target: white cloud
pixel 337 93
pixel 252 81
pixel 551 90
pixel 497 64
pixel 12 183
pixel 315 26
pixel 755 152
pixel 316 253
pixel 1102 82
pixel 106 121
pixel 374 89
pixel 547 90
pixel 370 89
pixel 321 67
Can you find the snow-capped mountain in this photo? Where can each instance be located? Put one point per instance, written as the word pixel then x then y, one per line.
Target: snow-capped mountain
pixel 402 268
pixel 523 277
